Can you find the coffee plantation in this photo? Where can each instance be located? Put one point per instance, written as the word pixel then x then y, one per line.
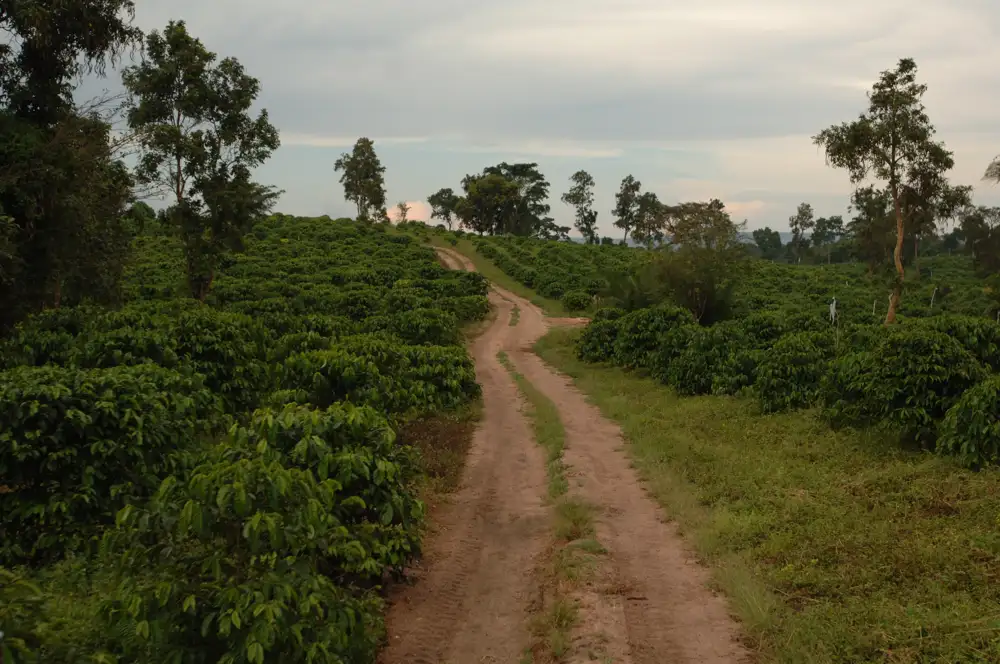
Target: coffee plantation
pixel 782 348
pixel 226 475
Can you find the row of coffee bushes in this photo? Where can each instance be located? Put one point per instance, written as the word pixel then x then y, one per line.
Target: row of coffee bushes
pixel 222 480
pixel 931 379
pixel 566 271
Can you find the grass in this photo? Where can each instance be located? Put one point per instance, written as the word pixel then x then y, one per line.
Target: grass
pixel 515 316
pixel 832 546
pixel 548 428
pixel 486 267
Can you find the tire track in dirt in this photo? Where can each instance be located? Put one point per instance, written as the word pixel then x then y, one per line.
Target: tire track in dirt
pixel 671 615
pixel 472 597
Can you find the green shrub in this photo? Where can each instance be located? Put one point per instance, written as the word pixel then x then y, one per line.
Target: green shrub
pixel 47 337
pixel 910 380
pixel 970 430
pixel 466 308
pixel 78 444
pixel 297 342
pixel 426 326
pixel 126 346
pixel 328 376
pixel 694 370
pixel 577 300
pixel 842 390
pixel 737 371
pixel 235 562
pixel 356 447
pixel 979 336
pixel 640 333
pixel 608 313
pixel 230 350
pixel 597 343
pixel 789 375
pixel 669 348
pixel 419 378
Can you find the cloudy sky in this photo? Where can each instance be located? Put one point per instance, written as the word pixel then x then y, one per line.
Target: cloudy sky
pixel 715 98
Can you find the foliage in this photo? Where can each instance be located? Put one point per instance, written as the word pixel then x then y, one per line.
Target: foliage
pixel 893 142
pixel 597 343
pixel 79 444
pixel 627 205
pixel 705 351
pixel 581 197
pixel 199 142
pixel 801 223
pixel 576 300
pixel 641 332
pixel 910 380
pixel 970 430
pixel 979 336
pixel 245 558
pixel 789 374
pixel 702 272
pixel 363 177
pixel 63 188
pixel 444 204
pixel 768 242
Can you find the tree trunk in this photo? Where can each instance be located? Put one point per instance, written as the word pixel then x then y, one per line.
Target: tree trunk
pixel 897 256
pixel 916 253
pixel 206 285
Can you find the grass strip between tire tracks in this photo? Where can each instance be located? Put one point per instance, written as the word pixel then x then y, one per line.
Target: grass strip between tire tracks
pixel 572 554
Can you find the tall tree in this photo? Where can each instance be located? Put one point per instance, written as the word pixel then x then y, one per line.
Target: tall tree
pixel 826 232
pixel 363 177
pixel 627 205
pixel 443 205
pixel 531 208
pixel 490 204
pixel 650 220
pixel 801 223
pixel 402 212
pixel 981 228
pixel 769 243
pixel 894 143
pixel 63 191
pixel 870 230
pixel 199 141
pixel 702 268
pixel 581 197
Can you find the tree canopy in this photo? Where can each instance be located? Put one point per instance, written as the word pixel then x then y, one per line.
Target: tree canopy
pixel 893 143
pixel 363 177
pixel 199 141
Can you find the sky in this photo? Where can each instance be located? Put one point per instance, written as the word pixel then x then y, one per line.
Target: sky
pixel 697 100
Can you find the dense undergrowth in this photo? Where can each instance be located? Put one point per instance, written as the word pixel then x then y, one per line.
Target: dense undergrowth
pixel 222 481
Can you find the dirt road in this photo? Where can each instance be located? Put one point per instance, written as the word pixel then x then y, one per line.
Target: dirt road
pixel 471 605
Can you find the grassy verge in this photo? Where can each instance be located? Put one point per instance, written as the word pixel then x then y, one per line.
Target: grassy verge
pixel 486 267
pixel 833 546
pixel 548 428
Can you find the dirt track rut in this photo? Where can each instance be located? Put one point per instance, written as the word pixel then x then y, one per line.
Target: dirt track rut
pixel 471 604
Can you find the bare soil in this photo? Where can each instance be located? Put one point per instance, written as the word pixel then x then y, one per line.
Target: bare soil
pixel 647 603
